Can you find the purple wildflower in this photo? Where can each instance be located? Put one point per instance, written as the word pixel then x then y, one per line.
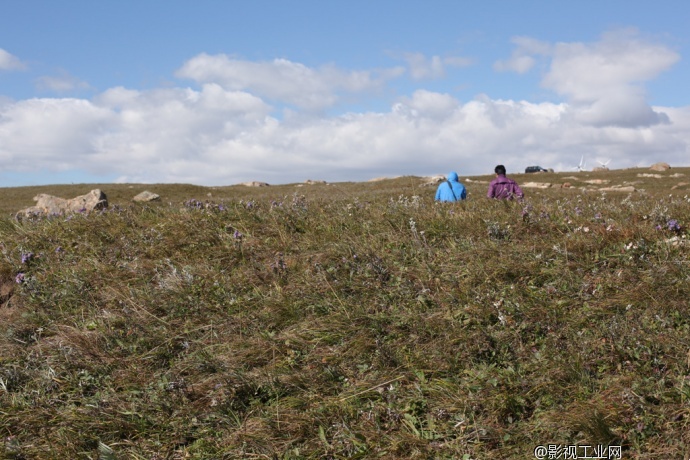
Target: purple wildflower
pixel 193 204
pixel 19 279
pixel 59 249
pixel 238 235
pixel 673 225
pixel 27 257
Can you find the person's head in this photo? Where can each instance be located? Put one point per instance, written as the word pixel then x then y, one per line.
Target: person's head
pixel 453 176
pixel 500 169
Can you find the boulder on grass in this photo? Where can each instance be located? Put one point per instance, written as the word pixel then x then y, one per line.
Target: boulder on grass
pixel 536 185
pixel 49 204
pixel 146 196
pixel 619 188
pixel 660 166
pixel 431 181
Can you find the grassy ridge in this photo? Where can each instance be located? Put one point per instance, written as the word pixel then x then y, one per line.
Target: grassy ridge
pixel 347 321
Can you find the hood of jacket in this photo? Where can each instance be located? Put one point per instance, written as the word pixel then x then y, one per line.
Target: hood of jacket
pixel 453 176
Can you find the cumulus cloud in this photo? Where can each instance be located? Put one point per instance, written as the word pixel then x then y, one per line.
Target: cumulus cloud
pixel 427 104
pixel 10 62
pixel 225 130
pixel 283 80
pixel 217 136
pixel 587 72
pixel 603 81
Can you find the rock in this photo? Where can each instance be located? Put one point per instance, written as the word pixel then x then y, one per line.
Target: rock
pixel 566 185
pixel 675 241
pixel 655 176
pixel 379 179
pixel 314 182
pixel 536 185
pixel 255 184
pixel 619 188
pixel 437 179
pixel 49 204
pixel 597 181
pixel 679 185
pixel 147 196
pixel 660 167
pixel 432 180
pixel 677 175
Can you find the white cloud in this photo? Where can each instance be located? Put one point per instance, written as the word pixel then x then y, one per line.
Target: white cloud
pixel 54 133
pixel 517 63
pixel 62 83
pixel 587 72
pixel 521 60
pixel 603 81
pixel 428 104
pixel 10 62
pixel 422 67
pixel 283 80
pixel 226 132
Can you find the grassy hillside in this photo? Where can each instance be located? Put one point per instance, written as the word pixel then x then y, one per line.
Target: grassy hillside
pixel 351 320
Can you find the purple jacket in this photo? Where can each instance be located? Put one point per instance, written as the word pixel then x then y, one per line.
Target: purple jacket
pixel 503 188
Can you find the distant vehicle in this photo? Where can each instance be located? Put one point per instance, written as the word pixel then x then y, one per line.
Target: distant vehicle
pixel 535 169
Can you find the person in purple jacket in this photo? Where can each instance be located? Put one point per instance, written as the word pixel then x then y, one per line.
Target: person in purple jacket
pixel 503 188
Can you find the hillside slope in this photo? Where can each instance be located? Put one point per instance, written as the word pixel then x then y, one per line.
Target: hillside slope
pixel 348 321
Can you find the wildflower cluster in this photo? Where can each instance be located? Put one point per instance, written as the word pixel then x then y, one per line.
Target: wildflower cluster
pixel 195 204
pixel 414 202
pixel 673 225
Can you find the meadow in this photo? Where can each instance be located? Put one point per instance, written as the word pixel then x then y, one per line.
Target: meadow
pixel 349 320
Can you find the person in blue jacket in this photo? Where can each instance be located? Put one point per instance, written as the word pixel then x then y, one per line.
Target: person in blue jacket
pixel 451 189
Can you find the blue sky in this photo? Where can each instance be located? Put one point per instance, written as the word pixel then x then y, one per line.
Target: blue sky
pixel 223 92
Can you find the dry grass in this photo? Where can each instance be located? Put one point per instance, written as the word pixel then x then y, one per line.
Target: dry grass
pixel 347 321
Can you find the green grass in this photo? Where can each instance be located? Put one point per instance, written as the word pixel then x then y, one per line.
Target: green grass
pixel 350 320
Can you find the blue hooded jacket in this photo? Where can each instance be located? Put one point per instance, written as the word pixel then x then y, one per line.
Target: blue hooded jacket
pixel 451 190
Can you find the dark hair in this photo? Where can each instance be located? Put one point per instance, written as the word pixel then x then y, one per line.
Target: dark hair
pixel 500 169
